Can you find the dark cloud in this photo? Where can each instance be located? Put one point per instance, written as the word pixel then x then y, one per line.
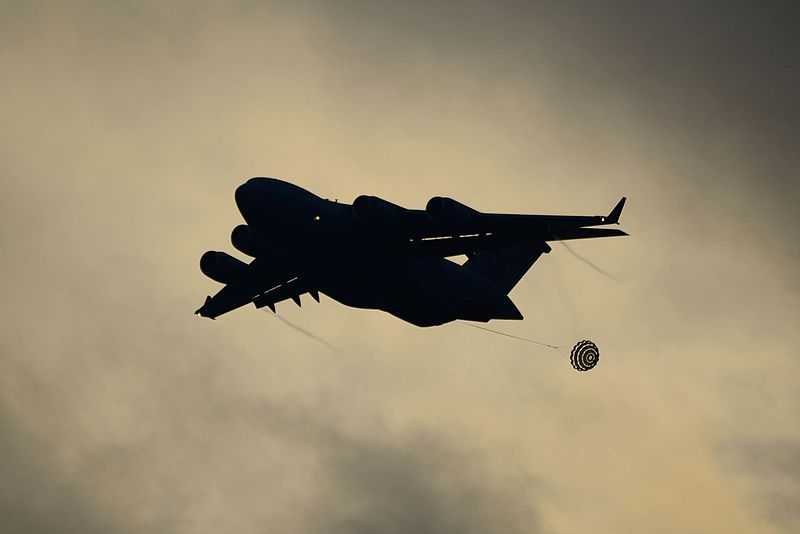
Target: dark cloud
pixel 369 480
pixel 420 480
pixel 38 495
pixel 420 484
pixel 772 472
pixel 712 82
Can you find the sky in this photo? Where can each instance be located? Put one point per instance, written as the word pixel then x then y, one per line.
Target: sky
pixel 127 126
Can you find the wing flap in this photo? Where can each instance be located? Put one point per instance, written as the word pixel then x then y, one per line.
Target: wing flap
pixel 456 246
pixel 289 290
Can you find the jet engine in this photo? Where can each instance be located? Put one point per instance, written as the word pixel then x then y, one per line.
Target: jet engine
pixel 374 208
pixel 448 210
pixel 223 268
pixel 244 241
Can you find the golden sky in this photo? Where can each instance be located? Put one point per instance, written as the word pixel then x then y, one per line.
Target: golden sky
pixel 126 127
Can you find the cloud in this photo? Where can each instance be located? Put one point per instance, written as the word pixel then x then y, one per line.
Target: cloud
pixel 36 494
pixel 420 484
pixel 366 479
pixel 128 127
pixel 770 471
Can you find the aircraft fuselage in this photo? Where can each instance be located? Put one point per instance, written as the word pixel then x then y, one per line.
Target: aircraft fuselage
pixel 364 265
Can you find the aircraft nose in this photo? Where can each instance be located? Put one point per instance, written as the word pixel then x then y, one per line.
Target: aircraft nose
pixel 241 195
pixel 247 197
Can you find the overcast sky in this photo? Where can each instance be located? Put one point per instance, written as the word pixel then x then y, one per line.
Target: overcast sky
pixel 127 126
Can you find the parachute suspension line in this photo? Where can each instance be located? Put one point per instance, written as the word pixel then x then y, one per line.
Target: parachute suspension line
pixel 514 337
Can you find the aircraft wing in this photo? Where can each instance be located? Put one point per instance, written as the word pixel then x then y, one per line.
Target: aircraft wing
pixel 466 221
pixel 490 231
pixel 259 281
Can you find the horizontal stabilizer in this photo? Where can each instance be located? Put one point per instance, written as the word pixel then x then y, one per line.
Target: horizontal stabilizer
pixel 565 234
pixel 506 266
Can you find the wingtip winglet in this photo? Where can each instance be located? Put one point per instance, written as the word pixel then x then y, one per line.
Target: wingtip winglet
pixel 613 217
pixel 202 311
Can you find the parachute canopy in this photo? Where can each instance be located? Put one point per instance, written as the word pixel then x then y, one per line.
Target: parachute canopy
pixel 584 355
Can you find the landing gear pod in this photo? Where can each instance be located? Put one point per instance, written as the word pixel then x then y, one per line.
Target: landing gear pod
pixel 584 355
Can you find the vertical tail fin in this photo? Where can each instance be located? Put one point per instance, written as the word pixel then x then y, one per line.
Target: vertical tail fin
pixel 613 217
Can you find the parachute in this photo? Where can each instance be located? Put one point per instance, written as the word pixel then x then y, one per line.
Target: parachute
pixel 584 355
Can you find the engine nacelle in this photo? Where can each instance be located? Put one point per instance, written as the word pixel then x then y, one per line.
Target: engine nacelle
pixel 223 268
pixel 448 210
pixel 244 241
pixel 374 208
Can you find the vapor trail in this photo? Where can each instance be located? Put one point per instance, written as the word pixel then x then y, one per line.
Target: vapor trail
pixel 315 337
pixel 592 265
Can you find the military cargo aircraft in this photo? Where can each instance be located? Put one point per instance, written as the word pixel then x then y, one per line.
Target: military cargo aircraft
pixel 377 255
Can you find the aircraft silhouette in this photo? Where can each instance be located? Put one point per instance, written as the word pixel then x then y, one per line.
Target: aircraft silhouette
pixel 376 255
